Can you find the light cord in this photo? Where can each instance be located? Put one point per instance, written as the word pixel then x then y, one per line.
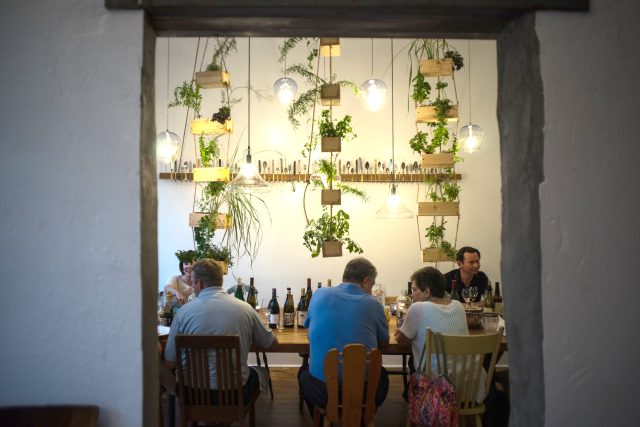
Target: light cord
pixel 371 57
pixel 249 96
pixel 469 45
pixel 393 148
pixel 168 40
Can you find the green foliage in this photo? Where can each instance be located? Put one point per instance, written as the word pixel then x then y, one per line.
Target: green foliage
pixel 188 95
pixel 302 106
pixel 213 67
pixel 419 143
pixel 354 191
pixel 209 150
pixel 204 241
pixel 327 229
pixel 435 234
pixel 290 43
pixel 341 128
pixel 450 191
pixel 223 48
pixel 186 256
pixel 458 60
pixel 421 89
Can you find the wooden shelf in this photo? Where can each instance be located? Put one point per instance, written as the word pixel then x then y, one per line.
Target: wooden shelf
pixel 442 160
pixel 331 197
pixel 222 221
pixel 438 209
pixel 330 46
pixel 330 95
pixel 434 255
pixel 213 79
pixel 349 177
pixel 428 114
pixel 436 67
pixel 332 249
pixel 209 127
pixel 224 265
pixel 331 144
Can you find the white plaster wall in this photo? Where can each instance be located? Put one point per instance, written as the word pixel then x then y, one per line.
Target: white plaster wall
pixel 590 214
pixel 392 246
pixel 69 252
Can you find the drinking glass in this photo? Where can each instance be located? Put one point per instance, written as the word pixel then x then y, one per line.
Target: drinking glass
pixel 379 291
pixel 466 294
pixel 473 292
pixel 490 323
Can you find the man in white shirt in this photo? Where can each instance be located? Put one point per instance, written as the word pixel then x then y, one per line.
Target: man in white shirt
pixel 214 312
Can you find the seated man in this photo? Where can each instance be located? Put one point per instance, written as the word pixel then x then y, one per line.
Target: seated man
pixel 338 316
pixel 215 312
pixel 468 275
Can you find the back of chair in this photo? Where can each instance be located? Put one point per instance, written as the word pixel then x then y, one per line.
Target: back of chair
pixel 469 348
pixel 354 363
pixel 194 375
pixel 50 416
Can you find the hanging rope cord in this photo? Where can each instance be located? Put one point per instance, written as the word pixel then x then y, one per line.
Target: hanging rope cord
pixel 315 101
pixel 393 132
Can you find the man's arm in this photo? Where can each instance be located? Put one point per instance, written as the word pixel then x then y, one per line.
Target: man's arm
pixel 383 343
pixel 274 345
pixel 170 365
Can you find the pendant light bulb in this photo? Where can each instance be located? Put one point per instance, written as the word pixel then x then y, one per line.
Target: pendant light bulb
pixel 393 207
pixel 373 93
pixel 471 138
pixel 248 169
pixel 285 89
pixel 167 144
pixel 393 200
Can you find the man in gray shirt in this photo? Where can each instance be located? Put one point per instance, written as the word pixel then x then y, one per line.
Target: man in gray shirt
pixel 215 312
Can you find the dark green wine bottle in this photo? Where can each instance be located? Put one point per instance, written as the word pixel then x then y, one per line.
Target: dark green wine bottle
pixel 251 298
pixel 489 304
pixel 289 311
pixel 302 309
pixel 454 291
pixel 309 293
pixel 239 293
pixel 274 310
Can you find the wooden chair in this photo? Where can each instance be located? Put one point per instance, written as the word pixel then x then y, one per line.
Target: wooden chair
pixel 50 416
pixel 193 375
pixel 469 347
pixel 353 369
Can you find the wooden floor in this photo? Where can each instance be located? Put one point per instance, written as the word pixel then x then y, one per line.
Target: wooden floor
pixel 283 409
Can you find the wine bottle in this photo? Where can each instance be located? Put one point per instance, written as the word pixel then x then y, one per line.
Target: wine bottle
pixel 168 310
pixel 274 310
pixel 497 298
pixel 328 283
pixel 251 299
pixel 409 297
pixel 319 285
pixel 302 309
pixel 309 293
pixel 489 303
pixel 239 293
pixel 454 291
pixel 289 311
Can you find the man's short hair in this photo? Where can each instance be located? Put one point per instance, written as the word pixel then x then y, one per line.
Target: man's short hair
pixel 432 278
pixel 466 250
pixel 357 270
pixel 208 271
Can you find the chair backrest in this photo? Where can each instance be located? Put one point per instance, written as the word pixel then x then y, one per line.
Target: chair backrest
pixel 469 347
pixel 50 416
pixel 354 363
pixel 194 375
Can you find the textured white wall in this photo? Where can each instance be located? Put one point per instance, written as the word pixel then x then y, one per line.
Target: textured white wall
pixel 70 257
pixel 590 210
pixel 283 261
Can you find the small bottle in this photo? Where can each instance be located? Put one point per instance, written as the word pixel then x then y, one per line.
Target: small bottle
pixel 328 283
pixel 488 300
pixel 319 285
pixel 454 291
pixel 251 298
pixel 302 309
pixel 289 311
pixel 309 293
pixel 401 307
pixel 497 298
pixel 274 310
pixel 239 293
pixel 168 310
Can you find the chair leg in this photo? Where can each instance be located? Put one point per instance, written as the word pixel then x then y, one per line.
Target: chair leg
pixel 252 416
pixel 409 423
pixel 463 420
pixel 266 365
pixel 478 421
pixel 301 403
pixel 317 416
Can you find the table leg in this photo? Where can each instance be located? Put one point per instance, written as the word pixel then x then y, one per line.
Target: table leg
pixel 266 365
pixel 171 410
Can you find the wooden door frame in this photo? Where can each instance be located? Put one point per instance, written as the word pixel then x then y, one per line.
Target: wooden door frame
pixel 520 117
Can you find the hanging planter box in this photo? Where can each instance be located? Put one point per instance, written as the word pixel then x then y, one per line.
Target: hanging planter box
pixel 444 160
pixel 213 79
pixel 209 127
pixel 428 114
pixel 330 95
pixel 436 67
pixel 330 46
pixel 223 222
pixel 331 144
pixel 331 197
pixel 332 249
pixel 434 255
pixel 438 208
pixel 224 265
pixel 210 174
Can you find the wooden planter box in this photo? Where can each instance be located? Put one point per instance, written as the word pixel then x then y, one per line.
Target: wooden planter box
pixel 332 249
pixel 331 197
pixel 331 144
pixel 330 95
pixel 222 222
pixel 330 46
pixel 209 127
pixel 434 255
pixel 213 79
pixel 438 208
pixel 210 174
pixel 444 160
pixel 427 114
pixel 224 265
pixel 436 67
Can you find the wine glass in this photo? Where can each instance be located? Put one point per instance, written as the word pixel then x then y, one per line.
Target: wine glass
pixel 466 294
pixel 473 292
pixel 379 291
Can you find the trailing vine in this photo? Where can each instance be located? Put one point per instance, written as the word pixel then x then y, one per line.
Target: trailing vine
pixel 188 95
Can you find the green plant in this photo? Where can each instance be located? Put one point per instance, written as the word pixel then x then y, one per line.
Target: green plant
pixel 341 129
pixel 327 169
pixel 223 48
pixel 290 43
pixel 449 190
pixel 223 114
pixel 435 234
pixel 188 95
pixel 421 89
pixel 458 60
pixel 209 150
pixel 327 229
pixel 420 144
pixel 186 256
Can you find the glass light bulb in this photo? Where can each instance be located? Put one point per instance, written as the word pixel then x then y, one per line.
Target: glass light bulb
pixel 373 94
pixel 167 144
pixel 248 170
pixel 471 138
pixel 285 89
pixel 393 200
pixel 471 142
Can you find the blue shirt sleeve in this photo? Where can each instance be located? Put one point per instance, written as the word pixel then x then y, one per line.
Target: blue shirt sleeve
pixel 307 321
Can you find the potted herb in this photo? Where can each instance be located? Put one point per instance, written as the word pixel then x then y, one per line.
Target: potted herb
pixel 332 132
pixel 443 204
pixel 440 249
pixel 211 169
pixel 216 75
pixel 328 235
pixel 206 249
